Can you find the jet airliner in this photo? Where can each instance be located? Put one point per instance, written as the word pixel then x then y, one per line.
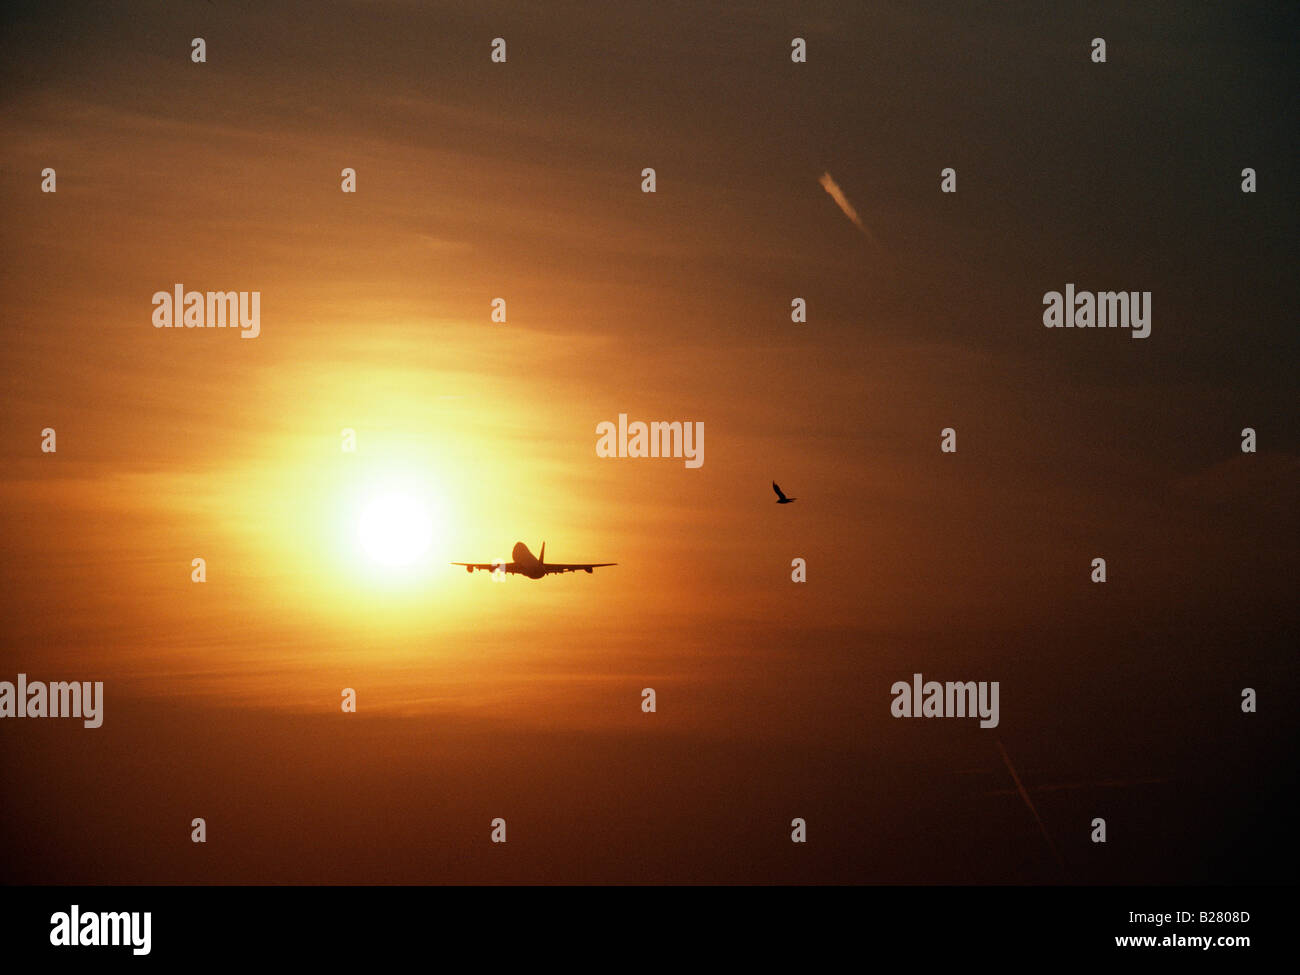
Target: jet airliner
pixel 524 563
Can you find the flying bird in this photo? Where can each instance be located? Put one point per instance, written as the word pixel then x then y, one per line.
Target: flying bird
pixel 780 495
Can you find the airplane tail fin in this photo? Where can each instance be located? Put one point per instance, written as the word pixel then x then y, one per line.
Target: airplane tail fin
pixel 541 559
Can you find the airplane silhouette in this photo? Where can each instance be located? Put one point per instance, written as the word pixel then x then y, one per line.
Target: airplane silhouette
pixel 534 567
pixel 780 497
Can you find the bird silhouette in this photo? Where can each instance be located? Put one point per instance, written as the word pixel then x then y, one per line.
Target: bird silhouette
pixel 780 495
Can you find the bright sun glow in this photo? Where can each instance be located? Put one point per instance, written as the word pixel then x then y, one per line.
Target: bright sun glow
pixel 395 529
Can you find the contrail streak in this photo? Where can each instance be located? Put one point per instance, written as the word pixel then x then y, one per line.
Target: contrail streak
pixel 1099 784
pixel 1028 802
pixel 837 194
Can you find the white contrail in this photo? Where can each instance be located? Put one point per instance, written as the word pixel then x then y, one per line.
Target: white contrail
pixel 837 194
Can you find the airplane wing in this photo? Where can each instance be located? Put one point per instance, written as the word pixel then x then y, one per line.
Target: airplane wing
pixel 487 566
pixel 574 567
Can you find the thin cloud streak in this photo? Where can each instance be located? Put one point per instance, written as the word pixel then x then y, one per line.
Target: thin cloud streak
pixel 1024 794
pixel 833 188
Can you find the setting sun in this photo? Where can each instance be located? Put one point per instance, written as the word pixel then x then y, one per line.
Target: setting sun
pixel 395 529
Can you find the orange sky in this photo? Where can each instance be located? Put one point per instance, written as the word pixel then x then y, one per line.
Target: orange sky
pixel 523 183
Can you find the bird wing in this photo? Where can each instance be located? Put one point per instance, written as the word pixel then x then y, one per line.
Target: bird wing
pixel 778 491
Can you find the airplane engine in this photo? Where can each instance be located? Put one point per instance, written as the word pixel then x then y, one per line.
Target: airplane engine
pixel 588 572
pixel 469 569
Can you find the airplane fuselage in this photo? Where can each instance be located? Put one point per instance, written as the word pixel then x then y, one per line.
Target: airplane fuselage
pixel 524 563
